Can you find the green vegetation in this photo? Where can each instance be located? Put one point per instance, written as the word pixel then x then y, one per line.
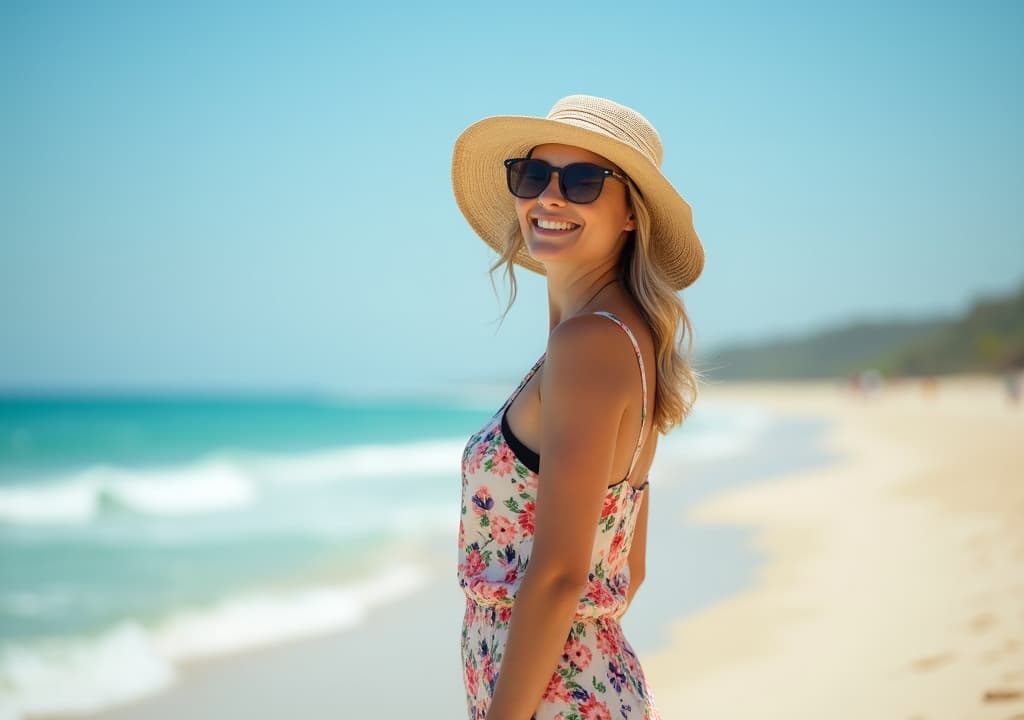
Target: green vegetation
pixel 989 337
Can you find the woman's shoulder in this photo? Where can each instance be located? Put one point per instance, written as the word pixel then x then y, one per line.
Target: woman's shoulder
pixel 586 375
pixel 593 342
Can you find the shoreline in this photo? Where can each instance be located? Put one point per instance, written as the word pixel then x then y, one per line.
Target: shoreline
pixel 892 578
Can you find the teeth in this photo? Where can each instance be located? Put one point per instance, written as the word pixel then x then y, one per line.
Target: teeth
pixel 555 225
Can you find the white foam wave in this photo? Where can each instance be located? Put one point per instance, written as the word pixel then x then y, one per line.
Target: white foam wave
pixel 721 430
pixel 218 483
pixel 81 676
pixel 413 459
pixel 128 662
pixel 208 486
pixel 250 621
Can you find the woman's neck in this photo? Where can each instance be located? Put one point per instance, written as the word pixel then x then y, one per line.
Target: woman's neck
pixel 569 299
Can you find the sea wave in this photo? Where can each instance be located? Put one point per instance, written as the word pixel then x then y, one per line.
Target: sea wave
pixel 416 459
pixel 257 620
pixel 231 481
pixel 719 431
pixel 129 661
pixel 81 676
pixel 223 482
pixel 79 498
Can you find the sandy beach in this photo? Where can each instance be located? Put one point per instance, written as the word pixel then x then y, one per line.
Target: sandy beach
pixel 891 585
pixel 894 580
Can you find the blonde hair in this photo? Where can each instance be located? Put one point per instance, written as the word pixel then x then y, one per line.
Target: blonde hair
pixel 678 382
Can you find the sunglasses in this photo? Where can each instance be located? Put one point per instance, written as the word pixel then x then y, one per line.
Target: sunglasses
pixel 580 183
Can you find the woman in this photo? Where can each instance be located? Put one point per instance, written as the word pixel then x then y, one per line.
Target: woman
pixel 554 487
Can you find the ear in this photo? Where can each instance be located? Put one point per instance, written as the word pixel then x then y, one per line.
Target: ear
pixel 630 222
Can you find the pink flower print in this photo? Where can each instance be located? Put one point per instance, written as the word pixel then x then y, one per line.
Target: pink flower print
pixel 599 594
pixel 526 517
pixel 503 460
pixel 608 642
pixel 512 575
pixel 488 667
pixel 470 676
pixel 556 691
pixel 488 592
pixel 482 501
pixel 577 654
pixel 477 456
pixel 474 564
pixel 502 531
pixel 616 547
pixel 594 709
pixel 504 614
pixel 610 506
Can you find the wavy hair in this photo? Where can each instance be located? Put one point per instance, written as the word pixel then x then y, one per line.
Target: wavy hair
pixel 662 308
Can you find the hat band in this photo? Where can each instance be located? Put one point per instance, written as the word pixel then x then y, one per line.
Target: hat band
pixel 603 125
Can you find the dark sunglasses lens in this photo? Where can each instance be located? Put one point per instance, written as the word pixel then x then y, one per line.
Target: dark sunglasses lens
pixel 583 182
pixel 528 178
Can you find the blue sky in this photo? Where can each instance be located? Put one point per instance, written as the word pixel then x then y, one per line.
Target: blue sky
pixel 239 197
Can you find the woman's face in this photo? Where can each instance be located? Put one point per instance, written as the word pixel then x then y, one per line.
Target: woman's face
pixel 587 233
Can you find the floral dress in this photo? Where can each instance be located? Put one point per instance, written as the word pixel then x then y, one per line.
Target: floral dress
pixel 598 676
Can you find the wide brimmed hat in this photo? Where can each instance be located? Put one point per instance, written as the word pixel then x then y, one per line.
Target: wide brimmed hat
pixel 614 131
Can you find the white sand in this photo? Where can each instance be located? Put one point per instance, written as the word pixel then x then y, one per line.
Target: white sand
pixel 894 586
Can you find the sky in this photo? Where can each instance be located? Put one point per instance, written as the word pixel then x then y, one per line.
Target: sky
pixel 229 196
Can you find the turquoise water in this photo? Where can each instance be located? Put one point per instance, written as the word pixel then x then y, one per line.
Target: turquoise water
pixel 130 508
pixel 42 435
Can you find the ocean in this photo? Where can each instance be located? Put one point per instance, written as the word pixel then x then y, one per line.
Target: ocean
pixel 140 533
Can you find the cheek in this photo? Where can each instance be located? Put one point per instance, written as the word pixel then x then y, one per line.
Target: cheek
pixel 604 221
pixel 614 215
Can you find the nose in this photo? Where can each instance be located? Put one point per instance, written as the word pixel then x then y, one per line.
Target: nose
pixel 552 194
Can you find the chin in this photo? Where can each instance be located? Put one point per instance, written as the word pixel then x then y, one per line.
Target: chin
pixel 542 248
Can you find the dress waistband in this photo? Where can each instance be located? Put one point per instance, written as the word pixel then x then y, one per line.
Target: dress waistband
pixel 489 597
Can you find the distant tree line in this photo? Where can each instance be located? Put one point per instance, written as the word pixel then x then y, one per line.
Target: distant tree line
pixel 989 337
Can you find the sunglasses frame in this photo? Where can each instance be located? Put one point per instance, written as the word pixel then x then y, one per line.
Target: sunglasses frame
pixel 605 173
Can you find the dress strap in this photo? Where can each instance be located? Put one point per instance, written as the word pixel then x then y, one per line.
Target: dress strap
pixel 643 384
pixel 523 382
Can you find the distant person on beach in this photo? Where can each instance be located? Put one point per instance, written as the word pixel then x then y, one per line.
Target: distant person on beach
pixel 552 551
pixel 930 386
pixel 1012 383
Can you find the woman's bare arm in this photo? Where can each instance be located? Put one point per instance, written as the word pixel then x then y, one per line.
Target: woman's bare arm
pixel 585 389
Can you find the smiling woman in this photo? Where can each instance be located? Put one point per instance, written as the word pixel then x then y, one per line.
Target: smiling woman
pixel 552 540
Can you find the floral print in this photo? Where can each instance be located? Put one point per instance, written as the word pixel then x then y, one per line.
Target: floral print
pixel 598 676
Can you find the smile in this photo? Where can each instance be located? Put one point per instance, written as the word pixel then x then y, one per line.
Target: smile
pixel 554 224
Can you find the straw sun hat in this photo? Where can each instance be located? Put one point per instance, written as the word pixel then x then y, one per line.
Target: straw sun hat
pixel 615 132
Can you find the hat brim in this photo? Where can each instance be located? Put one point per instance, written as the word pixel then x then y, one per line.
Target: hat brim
pixel 478 181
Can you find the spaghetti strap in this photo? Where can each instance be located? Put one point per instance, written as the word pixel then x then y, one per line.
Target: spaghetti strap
pixel 522 383
pixel 643 384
